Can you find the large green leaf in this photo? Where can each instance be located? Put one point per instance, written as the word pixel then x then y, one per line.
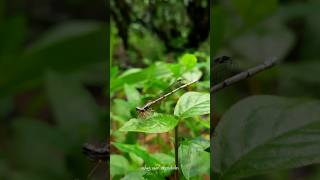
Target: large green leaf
pixel 192 104
pixel 156 123
pixel 74 108
pixel 66 48
pixel 193 159
pixel 118 165
pixel 139 151
pixel 266 133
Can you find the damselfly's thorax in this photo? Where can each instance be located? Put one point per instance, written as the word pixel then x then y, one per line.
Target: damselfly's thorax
pixel 140 109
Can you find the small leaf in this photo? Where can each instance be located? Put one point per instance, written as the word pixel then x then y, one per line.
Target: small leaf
pixel 194 75
pixel 192 104
pixel 132 94
pixel 157 123
pixel 188 60
pixel 118 165
pixel 121 109
pixel 194 160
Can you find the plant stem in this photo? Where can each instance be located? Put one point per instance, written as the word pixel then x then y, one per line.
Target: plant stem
pixel 176 146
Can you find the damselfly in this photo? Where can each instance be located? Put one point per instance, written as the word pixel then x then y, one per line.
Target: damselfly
pixel 146 108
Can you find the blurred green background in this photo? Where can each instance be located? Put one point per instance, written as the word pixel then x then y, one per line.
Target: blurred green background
pixel 52 87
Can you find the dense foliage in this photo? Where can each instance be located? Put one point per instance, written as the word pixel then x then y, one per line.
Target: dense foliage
pixel 53 91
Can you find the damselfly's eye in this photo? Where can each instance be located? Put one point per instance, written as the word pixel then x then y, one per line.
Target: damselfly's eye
pixel 179 80
pixel 221 60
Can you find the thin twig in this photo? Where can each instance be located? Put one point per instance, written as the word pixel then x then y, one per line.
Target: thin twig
pixel 243 75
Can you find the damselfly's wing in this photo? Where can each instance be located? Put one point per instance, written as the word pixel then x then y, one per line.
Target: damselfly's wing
pixel 179 82
pixel 144 111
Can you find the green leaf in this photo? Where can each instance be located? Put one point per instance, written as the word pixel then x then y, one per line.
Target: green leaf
pixel 133 95
pixel 38 148
pixel 139 151
pixel 118 165
pixel 192 104
pixel 265 133
pixel 164 158
pixel 121 109
pixel 157 123
pixel 253 11
pixel 129 77
pixel 136 175
pixel 191 76
pixel 188 60
pixel 73 107
pixel 135 76
pixel 193 159
pixel 264 42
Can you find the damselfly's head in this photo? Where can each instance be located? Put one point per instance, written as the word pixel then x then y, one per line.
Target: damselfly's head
pixel 144 113
pixel 222 59
pixel 140 109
